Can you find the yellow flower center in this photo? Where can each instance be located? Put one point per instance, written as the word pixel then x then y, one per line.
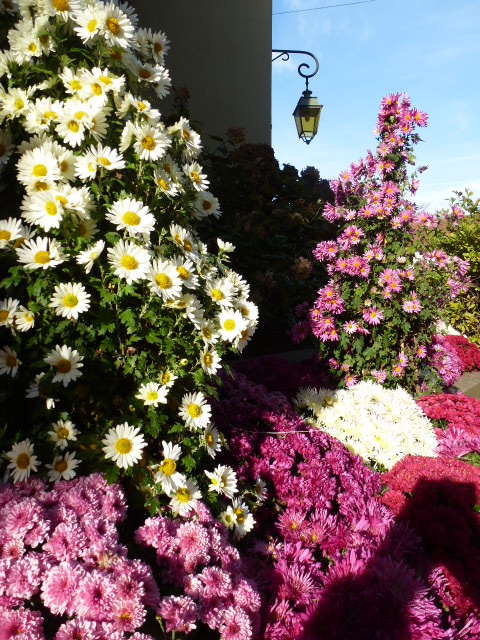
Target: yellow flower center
pixel 97 89
pixel 194 410
pixel 32 47
pixel 152 396
pixel 123 446
pixel 244 334
pixel 75 84
pixel 145 74
pixel 168 467
pixel 141 106
pixel 115 54
pixel 148 143
pixel 206 333
pixel 70 300
pixel 157 47
pixel 18 242
pixel 195 177
pixel 61 466
pixel 41 186
pixel 63 433
pixel 19 104
pixel 113 26
pixel 80 115
pixel 209 440
pixel 163 281
pixel 208 359
pixel 73 126
pixel 131 218
pixel 42 257
pixel 186 135
pixel 166 377
pixel 23 461
pixel 51 208
pixel 5 235
pixel 129 263
pixel 105 80
pixel 11 361
pixel 183 273
pixel 162 184
pixel 187 245
pixel 229 325
pixel 91 25
pixel 206 205
pixel 4 315
pixel 63 365
pixel 64 168
pixel 49 115
pixel 40 171
pixel 183 495
pixel 60 5
pixel 44 38
pixel 240 514
pixel 217 295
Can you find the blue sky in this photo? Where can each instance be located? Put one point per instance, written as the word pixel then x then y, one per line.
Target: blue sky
pixel 429 49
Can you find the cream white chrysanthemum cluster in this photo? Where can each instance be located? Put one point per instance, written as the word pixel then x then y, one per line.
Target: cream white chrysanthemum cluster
pixel 380 425
pixel 102 258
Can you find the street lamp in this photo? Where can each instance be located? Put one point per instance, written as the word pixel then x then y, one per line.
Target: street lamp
pixel 308 110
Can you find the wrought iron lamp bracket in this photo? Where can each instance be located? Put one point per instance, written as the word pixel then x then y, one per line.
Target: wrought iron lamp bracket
pixel 284 54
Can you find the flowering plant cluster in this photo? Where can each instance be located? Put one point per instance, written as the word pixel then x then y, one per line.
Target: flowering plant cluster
pixel 61 557
pixel 194 555
pixel 467 351
pixel 458 418
pixel 330 560
pixel 375 317
pixel 444 359
pixel 380 425
pixel 439 498
pixel 113 315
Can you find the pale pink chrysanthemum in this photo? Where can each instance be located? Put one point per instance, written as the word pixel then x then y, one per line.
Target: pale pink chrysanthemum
pixel 136 571
pixel 372 315
pixel 350 381
pixel 236 625
pixel 21 623
pixel 59 585
pixel 67 542
pixel 128 614
pixel 24 577
pixel 246 596
pixel 79 629
pixel 218 583
pixel 193 545
pixel 379 375
pixel 12 548
pixel 21 516
pixel 38 533
pixel 421 352
pixel 94 597
pixel 113 504
pixel 179 613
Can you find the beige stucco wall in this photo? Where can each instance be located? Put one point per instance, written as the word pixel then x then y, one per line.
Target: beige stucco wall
pixel 220 51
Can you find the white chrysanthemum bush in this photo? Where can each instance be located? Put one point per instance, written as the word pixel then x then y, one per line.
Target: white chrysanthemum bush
pixel 380 425
pixel 114 317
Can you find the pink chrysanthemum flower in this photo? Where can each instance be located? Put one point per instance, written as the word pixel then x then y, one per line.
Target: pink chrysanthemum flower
pixel 372 315
pixel 59 585
pixel 193 544
pixel 128 614
pixel 236 625
pixel 79 629
pixel 67 542
pixel 95 596
pixel 217 582
pixel 21 623
pixel 379 375
pixel 350 327
pixel 350 381
pixel 421 352
pixel 179 613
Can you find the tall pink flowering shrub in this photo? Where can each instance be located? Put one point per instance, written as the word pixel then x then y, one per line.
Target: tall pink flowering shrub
pixel 375 317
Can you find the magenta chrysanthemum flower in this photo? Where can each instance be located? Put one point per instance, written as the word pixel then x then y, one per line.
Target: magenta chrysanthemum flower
pixel 236 625
pixel 372 315
pixel 95 596
pixel 79 629
pixel 59 586
pixel 193 543
pixel 21 623
pixel 179 613
pixel 217 582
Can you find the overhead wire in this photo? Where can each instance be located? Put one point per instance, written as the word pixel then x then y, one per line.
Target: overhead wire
pixel 328 6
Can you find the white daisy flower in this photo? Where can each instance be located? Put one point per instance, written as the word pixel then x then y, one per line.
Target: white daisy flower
pixel 152 394
pixel 195 410
pixel 168 165
pixel 184 498
pixel 22 460
pixel 15 103
pixel 62 8
pixel 10 230
pixel 187 136
pixel 183 239
pixel 67 362
pixel 186 271
pixel 62 432
pixel 206 205
pixel 88 257
pixel 227 517
pixel 163 279
pixel 193 172
pixel 99 123
pixel 71 81
pixel 24 319
pixel 86 228
pixel 124 445
pixel 167 378
pixel 221 292
pixel 210 361
pixel 41 114
pixel 248 310
pixel 129 261
pixel 165 183
pixel 209 332
pixel 212 440
pixel 244 520
pixel 116 26
pixel 9 362
pixel 63 467
pixel 66 161
pixel 151 142
pixel 69 300
pixel 89 22
pixel 8 307
pixel 44 209
pixel 98 157
pixel 231 324
pixel 244 338
pixel 166 472
pixel 6 146
pixel 40 253
pixel 260 490
pixel 225 247
pixel 131 215
pixel 140 106
pixel 37 167
pixel 223 480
